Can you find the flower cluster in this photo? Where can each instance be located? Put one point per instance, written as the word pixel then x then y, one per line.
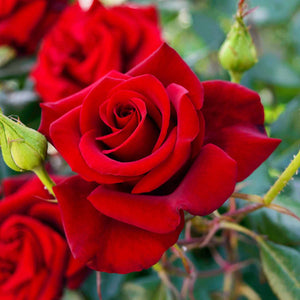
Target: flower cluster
pixel 147 140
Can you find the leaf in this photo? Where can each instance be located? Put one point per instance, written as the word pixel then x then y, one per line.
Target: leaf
pixel 281 266
pixel 292 205
pixel 271 69
pixel 273 11
pixel 147 288
pixel 208 29
pixel 287 128
pixel 278 227
pixel 294 31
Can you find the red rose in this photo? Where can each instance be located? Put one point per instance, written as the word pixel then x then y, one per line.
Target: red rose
pixel 85 45
pixel 35 260
pixel 147 145
pixel 24 22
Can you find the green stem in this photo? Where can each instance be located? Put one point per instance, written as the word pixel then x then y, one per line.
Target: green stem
pixel 235 76
pixel 45 178
pixel 283 179
pixel 239 228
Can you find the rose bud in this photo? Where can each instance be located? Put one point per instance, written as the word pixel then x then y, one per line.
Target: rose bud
pixel 35 260
pixel 23 148
pixel 238 53
pixel 148 145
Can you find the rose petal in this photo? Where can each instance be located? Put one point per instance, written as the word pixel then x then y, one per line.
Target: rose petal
pixel 187 131
pixel 66 134
pixel 98 241
pixel 54 110
pixel 167 66
pixel 154 93
pixel 19 202
pixel 89 115
pixel 227 104
pixel 152 213
pixel 208 183
pixel 246 145
pixel 94 157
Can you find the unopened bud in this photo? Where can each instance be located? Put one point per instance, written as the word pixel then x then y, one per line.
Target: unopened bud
pixel 238 53
pixel 23 148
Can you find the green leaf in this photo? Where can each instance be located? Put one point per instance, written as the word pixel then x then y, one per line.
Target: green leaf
pixel 273 70
pixel 292 205
pixel 287 128
pixel 208 29
pixel 278 227
pixel 273 11
pixel 146 288
pixel 281 266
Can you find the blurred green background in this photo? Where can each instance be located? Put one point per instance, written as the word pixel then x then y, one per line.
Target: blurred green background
pixel 196 29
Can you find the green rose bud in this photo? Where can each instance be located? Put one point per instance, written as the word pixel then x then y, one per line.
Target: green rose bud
pixel 238 53
pixel 23 148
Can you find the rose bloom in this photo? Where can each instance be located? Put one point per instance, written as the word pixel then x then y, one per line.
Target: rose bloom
pixel 85 45
pixel 24 22
pixel 148 145
pixel 35 261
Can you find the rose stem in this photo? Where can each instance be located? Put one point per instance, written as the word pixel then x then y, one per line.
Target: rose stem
pixel 45 178
pixel 283 179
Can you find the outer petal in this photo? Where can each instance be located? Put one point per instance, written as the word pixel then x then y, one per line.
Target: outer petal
pixel 19 202
pixel 227 104
pixel 153 213
pixel 246 145
pixel 208 183
pixel 52 111
pixel 234 120
pixel 167 66
pixel 104 243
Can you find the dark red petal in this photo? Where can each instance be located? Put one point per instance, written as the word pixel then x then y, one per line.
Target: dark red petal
pixel 154 94
pixel 168 67
pixel 94 157
pixel 227 104
pixel 65 133
pixel 103 243
pixel 15 30
pixel 152 213
pixel 246 145
pixel 54 110
pixel 27 195
pixel 208 183
pixel 12 184
pixel 89 115
pixel 187 131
